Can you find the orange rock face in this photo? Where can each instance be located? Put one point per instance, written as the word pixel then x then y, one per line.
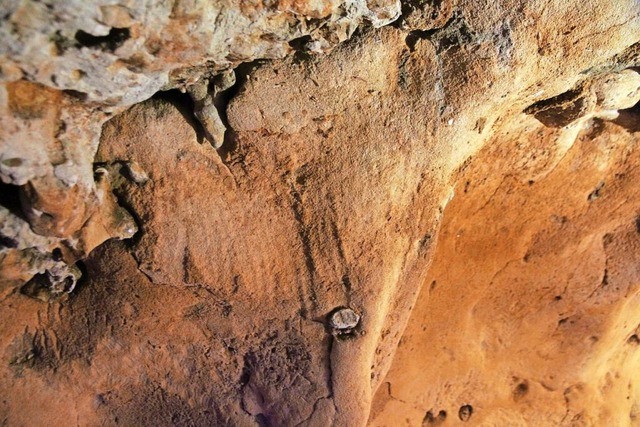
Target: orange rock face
pixel 529 312
pixel 435 223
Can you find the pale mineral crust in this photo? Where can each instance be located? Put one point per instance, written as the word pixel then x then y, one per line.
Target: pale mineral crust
pixel 432 220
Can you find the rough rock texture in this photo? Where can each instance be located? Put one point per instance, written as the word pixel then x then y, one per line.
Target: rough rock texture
pixel 270 281
pixel 66 66
pixel 529 313
pixel 120 53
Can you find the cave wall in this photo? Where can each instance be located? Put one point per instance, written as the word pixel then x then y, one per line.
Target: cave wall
pixel 426 222
pixel 529 314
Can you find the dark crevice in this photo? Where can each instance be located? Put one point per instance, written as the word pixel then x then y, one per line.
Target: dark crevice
pixel 596 193
pixel 431 419
pixel 110 42
pixel 7 242
pixel 629 118
pixel 300 47
pixel 184 104
pixel 562 99
pixel 560 110
pixel 221 102
pixel 415 35
pixel 262 420
pixel 80 96
pixel 57 255
pixel 605 278
pixel 61 42
pixel 10 199
pixel 123 203
pixel 300 44
pixel 82 281
pixel 522 389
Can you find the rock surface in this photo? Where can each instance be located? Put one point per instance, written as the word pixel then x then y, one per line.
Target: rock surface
pixel 65 67
pixel 529 312
pixel 462 181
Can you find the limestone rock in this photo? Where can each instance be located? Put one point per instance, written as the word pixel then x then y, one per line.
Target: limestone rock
pixel 122 53
pixel 66 66
pixel 463 181
pixel 530 307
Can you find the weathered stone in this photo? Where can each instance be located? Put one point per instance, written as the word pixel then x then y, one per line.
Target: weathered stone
pixel 67 66
pixel 463 180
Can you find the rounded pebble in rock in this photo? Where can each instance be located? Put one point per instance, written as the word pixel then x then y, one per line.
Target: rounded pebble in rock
pixel 344 319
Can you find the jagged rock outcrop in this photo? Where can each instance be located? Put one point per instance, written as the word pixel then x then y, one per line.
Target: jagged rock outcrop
pixel 271 280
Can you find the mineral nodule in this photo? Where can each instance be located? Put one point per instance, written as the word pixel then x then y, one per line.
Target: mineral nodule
pixel 343 320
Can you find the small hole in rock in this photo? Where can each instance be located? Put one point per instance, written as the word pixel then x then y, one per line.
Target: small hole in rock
pixel 465 412
pixel 300 46
pixel 520 391
pixel 56 254
pixel 80 96
pixel 110 42
pixel 433 420
pixel 7 242
pixel 300 43
pixel 10 199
